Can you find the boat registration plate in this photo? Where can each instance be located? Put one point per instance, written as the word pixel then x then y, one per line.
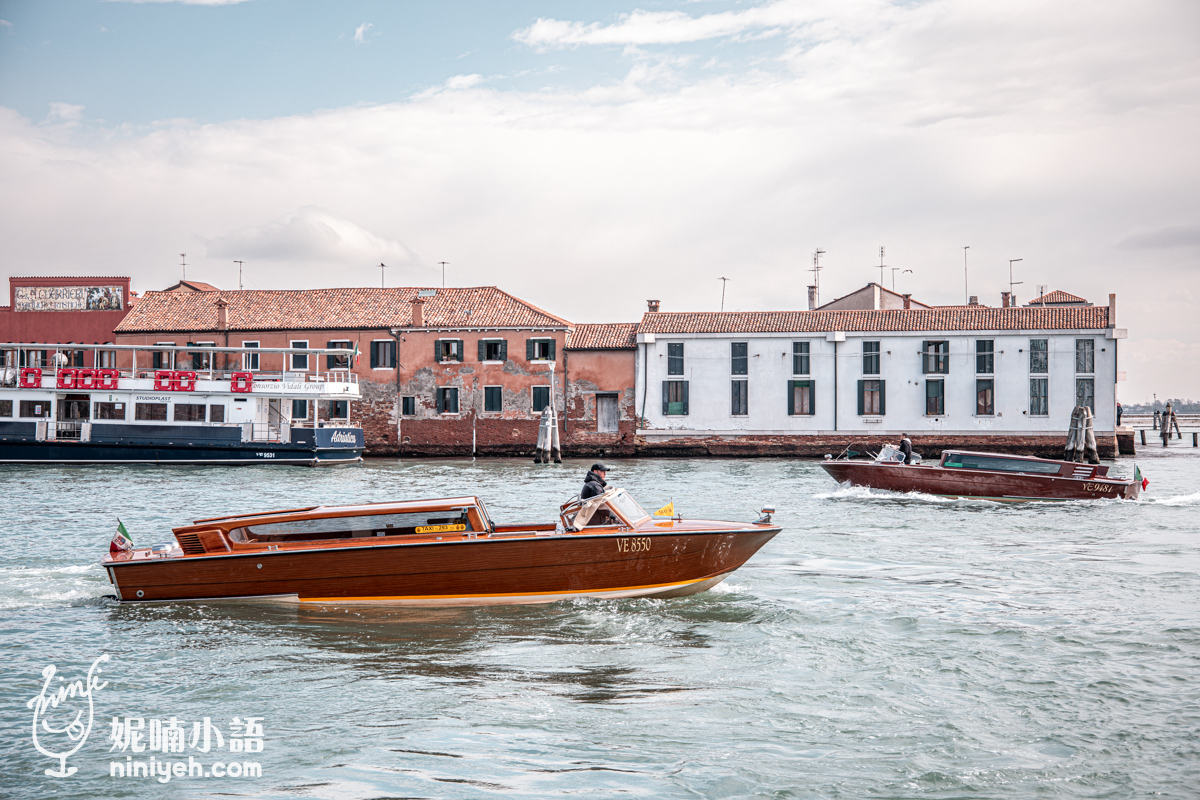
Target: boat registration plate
pixel 440 528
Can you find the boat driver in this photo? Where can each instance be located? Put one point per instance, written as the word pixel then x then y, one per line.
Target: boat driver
pixel 594 485
pixel 906 448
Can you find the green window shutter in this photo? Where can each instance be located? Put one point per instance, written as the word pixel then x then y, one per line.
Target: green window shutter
pixel 504 349
pixel 437 352
pixel 812 397
pixel 437 398
pixel 552 343
pixel 791 400
pixel 924 358
pixel 482 350
pixel 529 349
pixel 375 355
pixel 392 354
pixel 882 398
pixel 666 396
pixel 458 349
pixel 685 398
pixel 860 398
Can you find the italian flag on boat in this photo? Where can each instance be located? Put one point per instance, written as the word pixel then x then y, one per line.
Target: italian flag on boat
pixel 120 540
pixel 1137 476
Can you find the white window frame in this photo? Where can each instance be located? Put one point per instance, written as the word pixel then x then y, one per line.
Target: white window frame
pixel 537 340
pixel 250 361
pixel 291 365
pixel 372 353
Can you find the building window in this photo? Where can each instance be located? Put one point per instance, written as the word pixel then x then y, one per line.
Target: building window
pixel 539 349
pixel 985 397
pixel 870 354
pixel 163 359
pixel 738 358
pixel 300 360
pixel 1085 356
pixel 493 350
pixel 1039 403
pixel 740 405
pixel 871 397
pixel 32 358
pixel 216 414
pixel 447 400
pixel 337 362
pixel 675 398
pixel 338 409
pixel 493 398
pixel 408 406
pixel 383 354
pixel 1085 393
pixel 675 358
pixel 106 359
pixel 935 358
pixel 6 408
pixel 800 358
pixel 299 409
pixel 801 396
pixel 1039 356
pixel 250 360
pixel 109 411
pixel 41 408
pixel 200 359
pixel 985 356
pixel 448 350
pixel 68 358
pixel 189 412
pixel 935 398
pixel 541 398
pixel 150 412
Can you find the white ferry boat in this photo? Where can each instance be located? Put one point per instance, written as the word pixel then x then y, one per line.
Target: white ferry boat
pixel 55 411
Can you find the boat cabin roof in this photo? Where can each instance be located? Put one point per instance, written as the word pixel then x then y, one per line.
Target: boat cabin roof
pixel 362 509
pixel 1006 462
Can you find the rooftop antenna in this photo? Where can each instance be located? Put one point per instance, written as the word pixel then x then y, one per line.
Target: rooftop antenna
pixel 816 271
pixel 1041 287
pixel 966 290
pixel 881 265
pixel 723 282
pixel 183 263
pixel 382 267
pixel 443 263
pixel 893 270
pixel 1012 296
pixel 239 263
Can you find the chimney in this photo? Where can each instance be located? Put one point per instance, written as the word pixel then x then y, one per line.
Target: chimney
pixel 812 298
pixel 418 313
pixel 653 306
pixel 907 300
pixel 222 317
pixel 974 301
pixel 1112 310
pixel 1004 299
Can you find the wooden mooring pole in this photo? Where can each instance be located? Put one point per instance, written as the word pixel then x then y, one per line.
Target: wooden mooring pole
pixel 1143 432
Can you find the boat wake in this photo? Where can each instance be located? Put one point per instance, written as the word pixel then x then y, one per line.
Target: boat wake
pixel 1178 500
pixel 858 493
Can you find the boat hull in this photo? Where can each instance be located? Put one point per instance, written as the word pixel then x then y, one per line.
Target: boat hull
pixel 983 484
pixel 484 571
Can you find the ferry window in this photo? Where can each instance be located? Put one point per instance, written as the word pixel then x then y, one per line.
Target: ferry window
pixel 339 409
pixel 739 360
pixel 541 398
pixel 408 406
pixel 1039 356
pixel 1085 356
pixel 675 398
pixel 300 360
pixel 447 401
pixel 493 350
pixel 935 358
pixel 800 358
pixel 150 412
pixel 985 356
pixel 935 398
pixel 800 398
pixel 74 406
pixel 250 361
pixel 216 413
pixel 5 408
pixel 985 397
pixel 337 362
pixel 675 358
pixel 1039 404
pixel 383 354
pixel 189 412
pixel 163 359
pixel 110 411
pixel 448 350
pixel 871 397
pixel 628 507
pixel 493 398
pixel 739 398
pixel 967 461
pixel 451 520
pixel 35 408
pixel 870 355
pixel 1085 393
pixel 299 409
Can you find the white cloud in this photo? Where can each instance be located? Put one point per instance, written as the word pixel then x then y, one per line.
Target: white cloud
pixel 5 24
pixel 360 33
pixel 64 113
pixel 311 235
pixel 463 81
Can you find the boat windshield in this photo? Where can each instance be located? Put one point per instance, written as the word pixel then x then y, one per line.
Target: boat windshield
pixel 627 507
pixel 440 521
pixel 999 464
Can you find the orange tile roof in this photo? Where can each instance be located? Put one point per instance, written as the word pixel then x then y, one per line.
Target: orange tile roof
pixel 196 286
pixel 1057 296
pixel 606 336
pixel 957 318
pixel 333 309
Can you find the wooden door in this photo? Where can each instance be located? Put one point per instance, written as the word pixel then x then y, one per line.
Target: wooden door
pixel 606 413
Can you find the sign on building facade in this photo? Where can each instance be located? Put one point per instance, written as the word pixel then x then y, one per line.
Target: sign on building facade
pixel 69 298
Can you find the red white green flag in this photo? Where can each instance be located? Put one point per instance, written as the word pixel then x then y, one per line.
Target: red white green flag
pixel 121 540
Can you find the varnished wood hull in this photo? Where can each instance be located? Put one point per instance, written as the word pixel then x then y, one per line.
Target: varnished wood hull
pixel 943 482
pixel 495 570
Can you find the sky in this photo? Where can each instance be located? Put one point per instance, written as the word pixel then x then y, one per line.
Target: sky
pixel 588 156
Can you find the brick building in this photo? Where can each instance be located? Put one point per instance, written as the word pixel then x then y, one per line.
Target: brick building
pixel 70 310
pixel 441 371
pixel 598 367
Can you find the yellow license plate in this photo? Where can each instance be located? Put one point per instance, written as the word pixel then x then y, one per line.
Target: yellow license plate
pixel 440 528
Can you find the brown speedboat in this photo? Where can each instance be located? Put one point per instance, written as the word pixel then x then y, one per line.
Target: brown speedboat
pixel 991 476
pixel 439 553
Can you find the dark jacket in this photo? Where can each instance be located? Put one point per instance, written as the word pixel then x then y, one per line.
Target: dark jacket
pixel 906 449
pixel 593 486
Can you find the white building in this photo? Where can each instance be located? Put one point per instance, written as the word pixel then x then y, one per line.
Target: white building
pixel 958 371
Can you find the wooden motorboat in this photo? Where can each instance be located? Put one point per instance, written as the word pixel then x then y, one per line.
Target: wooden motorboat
pixel 993 476
pixel 441 552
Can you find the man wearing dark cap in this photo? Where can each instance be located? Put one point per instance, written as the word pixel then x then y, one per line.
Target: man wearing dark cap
pixel 594 484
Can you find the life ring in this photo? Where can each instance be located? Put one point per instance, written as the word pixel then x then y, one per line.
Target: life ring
pixel 163 380
pixel 184 381
pixel 107 378
pixel 31 378
pixel 85 379
pixel 242 382
pixel 68 378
